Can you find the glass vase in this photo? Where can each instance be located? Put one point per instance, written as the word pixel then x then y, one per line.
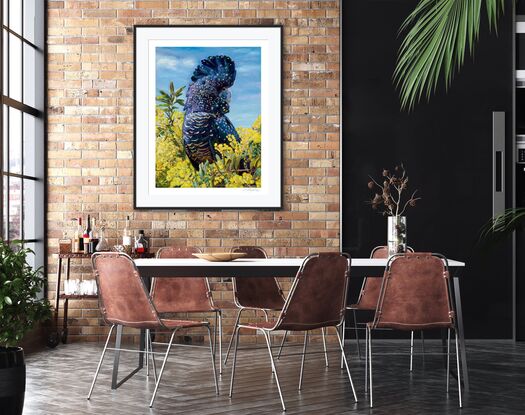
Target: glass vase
pixel 397 235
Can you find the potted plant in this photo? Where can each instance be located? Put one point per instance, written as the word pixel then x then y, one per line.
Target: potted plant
pixel 20 310
pixel 390 200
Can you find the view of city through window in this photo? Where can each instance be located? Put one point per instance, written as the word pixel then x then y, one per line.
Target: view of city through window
pixel 22 123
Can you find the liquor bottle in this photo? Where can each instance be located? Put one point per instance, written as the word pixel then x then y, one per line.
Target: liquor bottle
pixel 141 243
pixel 85 236
pixel 126 237
pixel 93 236
pixel 79 247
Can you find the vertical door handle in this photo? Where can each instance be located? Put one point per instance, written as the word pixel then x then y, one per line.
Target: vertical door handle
pixel 498 162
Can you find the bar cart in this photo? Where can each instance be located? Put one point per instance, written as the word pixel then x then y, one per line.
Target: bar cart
pixel 64 261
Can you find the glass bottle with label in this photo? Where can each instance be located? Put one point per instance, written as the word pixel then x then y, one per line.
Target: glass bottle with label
pixel 103 244
pixel 85 236
pixel 93 236
pixel 126 237
pixel 79 247
pixel 141 243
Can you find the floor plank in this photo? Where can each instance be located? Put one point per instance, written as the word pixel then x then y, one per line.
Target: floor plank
pixel 59 379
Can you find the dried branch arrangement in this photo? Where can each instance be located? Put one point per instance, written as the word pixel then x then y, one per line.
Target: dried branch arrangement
pixel 390 197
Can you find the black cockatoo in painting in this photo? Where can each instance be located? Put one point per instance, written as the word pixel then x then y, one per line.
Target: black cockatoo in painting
pixel 207 103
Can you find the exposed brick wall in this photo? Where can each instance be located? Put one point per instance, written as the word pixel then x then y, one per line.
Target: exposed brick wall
pixel 90 132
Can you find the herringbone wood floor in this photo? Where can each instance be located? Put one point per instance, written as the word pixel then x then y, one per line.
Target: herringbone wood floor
pixel 58 381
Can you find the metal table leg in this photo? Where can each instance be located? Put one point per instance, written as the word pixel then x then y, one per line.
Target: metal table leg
pixel 66 304
pixel 54 337
pixel 461 333
pixel 57 296
pixel 142 345
pixel 118 340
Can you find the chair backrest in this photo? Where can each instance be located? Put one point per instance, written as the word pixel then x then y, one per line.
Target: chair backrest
pixel 123 298
pixel 181 295
pixel 415 293
pixel 371 287
pixel 256 292
pixel 318 294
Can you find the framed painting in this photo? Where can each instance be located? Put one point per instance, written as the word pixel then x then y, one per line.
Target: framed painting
pixel 207 117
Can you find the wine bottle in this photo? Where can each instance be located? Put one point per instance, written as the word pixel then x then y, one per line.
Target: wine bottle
pixel 141 243
pixel 85 236
pixel 80 236
pixel 93 235
pixel 126 236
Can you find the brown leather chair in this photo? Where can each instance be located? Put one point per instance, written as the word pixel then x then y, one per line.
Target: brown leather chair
pixel 415 295
pixel 367 301
pixel 186 295
pixel 317 300
pixel 258 294
pixel 124 301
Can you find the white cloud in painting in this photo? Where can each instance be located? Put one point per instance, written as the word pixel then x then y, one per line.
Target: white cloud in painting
pixel 174 63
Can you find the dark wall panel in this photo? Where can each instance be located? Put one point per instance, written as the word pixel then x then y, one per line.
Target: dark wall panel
pixel 446 146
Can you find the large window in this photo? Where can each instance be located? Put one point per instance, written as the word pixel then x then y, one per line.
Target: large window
pixel 22 123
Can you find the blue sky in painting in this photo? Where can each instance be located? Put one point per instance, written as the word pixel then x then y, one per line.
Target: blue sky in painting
pixel 177 64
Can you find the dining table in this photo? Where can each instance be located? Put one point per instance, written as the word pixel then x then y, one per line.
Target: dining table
pixel 284 267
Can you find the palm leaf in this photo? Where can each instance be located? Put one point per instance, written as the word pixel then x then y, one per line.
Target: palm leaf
pixel 504 223
pixel 438 34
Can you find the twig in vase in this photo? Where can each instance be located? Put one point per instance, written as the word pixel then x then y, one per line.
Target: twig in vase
pixel 384 201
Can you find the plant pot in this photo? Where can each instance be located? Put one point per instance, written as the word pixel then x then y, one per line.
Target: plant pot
pixel 397 235
pixel 12 380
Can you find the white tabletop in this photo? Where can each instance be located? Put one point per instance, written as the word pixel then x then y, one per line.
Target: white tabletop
pixel 187 267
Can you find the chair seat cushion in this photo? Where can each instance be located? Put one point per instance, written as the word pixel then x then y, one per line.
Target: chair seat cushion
pixel 173 324
pixel 267 325
pixel 359 307
pixel 224 304
pixel 410 327
pixel 263 325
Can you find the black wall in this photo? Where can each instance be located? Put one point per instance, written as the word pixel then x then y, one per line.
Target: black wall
pixel 446 146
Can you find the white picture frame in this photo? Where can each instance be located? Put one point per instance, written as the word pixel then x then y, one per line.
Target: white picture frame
pixel 266 193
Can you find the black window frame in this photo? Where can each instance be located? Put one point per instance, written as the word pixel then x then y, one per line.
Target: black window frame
pixel 37 45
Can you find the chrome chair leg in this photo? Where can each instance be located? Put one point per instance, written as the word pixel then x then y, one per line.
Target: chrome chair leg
pixel 147 352
pixel 235 335
pixel 370 365
pixel 282 344
pixel 212 352
pixel 366 360
pixel 267 319
pixel 356 330
pixel 459 370
pixel 324 347
pixel 231 338
pixel 266 336
pixel 216 324
pixel 162 368
pixel 423 343
pixel 411 348
pixel 148 339
pixel 448 359
pixel 100 362
pixel 343 330
pixel 266 315
pixel 302 359
pixel 346 365
pixel 220 342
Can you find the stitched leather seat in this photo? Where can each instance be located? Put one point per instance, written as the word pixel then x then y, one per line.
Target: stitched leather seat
pixel 124 301
pixel 317 299
pixel 257 293
pixel 414 295
pixel 181 295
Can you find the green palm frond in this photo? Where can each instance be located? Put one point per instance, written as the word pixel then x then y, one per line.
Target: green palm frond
pixel 505 223
pixel 439 32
